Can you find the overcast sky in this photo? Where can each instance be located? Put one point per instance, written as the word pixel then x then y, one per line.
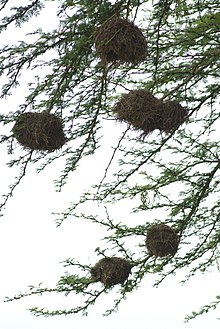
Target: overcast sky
pixel 31 249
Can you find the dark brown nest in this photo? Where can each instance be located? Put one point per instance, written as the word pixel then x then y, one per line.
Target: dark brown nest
pixel 172 116
pixel 111 271
pixel 146 112
pixel 120 40
pixel 162 240
pixel 39 131
pixel 140 109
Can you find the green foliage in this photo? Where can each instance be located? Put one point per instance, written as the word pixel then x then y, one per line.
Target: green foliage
pixel 20 14
pixel 204 309
pixel 171 178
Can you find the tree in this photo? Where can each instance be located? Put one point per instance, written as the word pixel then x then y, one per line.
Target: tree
pixel 173 171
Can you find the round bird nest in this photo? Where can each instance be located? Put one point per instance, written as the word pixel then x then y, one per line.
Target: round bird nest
pixel 111 271
pixel 140 109
pixel 39 131
pixel 172 116
pixel 146 112
pixel 120 40
pixel 161 240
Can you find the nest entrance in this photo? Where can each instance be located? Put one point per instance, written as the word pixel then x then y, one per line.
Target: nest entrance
pixel 145 112
pixel 39 131
pixel 120 40
pixel 161 240
pixel 111 271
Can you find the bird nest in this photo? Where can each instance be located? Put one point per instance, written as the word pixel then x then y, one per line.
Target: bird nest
pixel 111 271
pixel 145 112
pixel 161 240
pixel 120 40
pixel 140 109
pixel 39 131
pixel 172 116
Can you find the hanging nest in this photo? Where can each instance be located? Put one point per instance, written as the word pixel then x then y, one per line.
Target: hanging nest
pixel 111 271
pixel 140 109
pixel 39 131
pixel 120 40
pixel 146 112
pixel 172 116
pixel 162 240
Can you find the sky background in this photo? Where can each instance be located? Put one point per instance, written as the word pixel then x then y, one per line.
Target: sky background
pixel 32 249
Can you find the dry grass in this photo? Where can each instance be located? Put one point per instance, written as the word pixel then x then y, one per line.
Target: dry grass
pixel 140 109
pixel 39 131
pixel 173 115
pixel 111 271
pixel 120 40
pixel 161 240
pixel 145 112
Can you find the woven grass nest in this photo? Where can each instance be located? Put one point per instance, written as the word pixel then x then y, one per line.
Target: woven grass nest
pixel 111 271
pixel 173 115
pixel 119 40
pixel 145 112
pixel 161 240
pixel 39 131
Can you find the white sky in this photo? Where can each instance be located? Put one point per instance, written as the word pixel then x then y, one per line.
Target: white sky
pixel 31 249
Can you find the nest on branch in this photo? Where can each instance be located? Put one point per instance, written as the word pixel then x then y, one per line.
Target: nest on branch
pixel 172 116
pixel 146 112
pixel 111 271
pixel 120 40
pixel 140 109
pixel 161 240
pixel 39 131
